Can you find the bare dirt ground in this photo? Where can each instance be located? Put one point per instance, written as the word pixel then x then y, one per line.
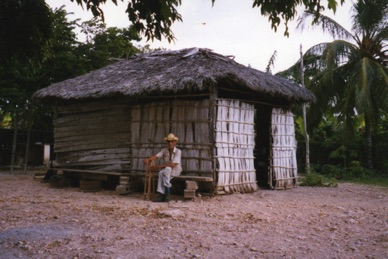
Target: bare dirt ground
pixel 37 221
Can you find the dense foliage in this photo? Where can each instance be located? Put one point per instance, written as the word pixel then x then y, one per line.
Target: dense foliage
pixel 333 156
pixel 25 28
pixel 24 35
pixel 56 57
pixel 287 10
pixel 41 48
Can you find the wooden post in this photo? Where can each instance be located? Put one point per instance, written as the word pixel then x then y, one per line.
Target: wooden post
pixel 306 136
pixel 212 138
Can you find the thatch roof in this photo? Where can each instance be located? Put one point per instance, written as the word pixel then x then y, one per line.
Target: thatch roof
pixel 171 72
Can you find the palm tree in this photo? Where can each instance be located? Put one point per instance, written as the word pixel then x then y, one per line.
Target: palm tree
pixel 349 75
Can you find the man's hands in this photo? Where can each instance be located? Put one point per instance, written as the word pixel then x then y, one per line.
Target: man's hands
pixel 155 168
pixel 149 163
pixel 151 166
pixel 149 159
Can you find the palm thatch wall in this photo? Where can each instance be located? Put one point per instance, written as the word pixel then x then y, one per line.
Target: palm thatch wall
pixel 235 142
pixel 283 166
pixel 188 119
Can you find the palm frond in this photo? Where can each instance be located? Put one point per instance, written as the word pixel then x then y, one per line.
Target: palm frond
pixel 317 49
pixel 325 87
pixel 365 76
pixel 327 25
pixel 380 41
pixel 381 87
pixel 312 64
pixel 370 15
pixel 313 56
pixel 271 62
pixel 339 52
pixel 347 112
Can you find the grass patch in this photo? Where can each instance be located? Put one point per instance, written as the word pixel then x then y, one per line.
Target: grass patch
pixel 317 180
pixel 355 173
pixel 378 180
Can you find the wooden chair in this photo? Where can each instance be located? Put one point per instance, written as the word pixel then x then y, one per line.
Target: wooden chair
pixel 149 182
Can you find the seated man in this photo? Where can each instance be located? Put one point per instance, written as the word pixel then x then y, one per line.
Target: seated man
pixel 172 167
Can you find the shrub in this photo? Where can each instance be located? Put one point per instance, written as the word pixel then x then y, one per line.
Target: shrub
pixel 315 168
pixel 384 168
pixel 333 171
pixel 356 170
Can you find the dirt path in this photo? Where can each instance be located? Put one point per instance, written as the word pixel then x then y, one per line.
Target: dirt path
pixel 37 221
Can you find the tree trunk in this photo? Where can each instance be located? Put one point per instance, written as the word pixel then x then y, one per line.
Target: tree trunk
pixel 369 142
pixel 26 155
pixel 14 141
pixel 306 135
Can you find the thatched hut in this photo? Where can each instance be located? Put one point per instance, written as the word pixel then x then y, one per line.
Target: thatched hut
pixel 234 122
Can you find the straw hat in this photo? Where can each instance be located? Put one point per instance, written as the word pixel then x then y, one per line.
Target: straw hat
pixel 171 137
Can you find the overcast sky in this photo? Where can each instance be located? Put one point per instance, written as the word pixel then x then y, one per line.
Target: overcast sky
pixel 229 27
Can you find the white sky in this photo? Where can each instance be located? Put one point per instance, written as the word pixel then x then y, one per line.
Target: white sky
pixel 229 27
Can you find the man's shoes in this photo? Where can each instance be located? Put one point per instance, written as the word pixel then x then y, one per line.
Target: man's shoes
pixel 167 194
pixel 164 197
pixel 160 198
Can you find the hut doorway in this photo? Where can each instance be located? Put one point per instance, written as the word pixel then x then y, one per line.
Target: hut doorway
pixel 262 144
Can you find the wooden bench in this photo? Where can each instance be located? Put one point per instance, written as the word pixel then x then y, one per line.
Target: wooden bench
pixel 124 188
pixel 90 171
pixel 194 178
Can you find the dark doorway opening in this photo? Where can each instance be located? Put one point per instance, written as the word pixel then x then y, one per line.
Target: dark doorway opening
pixel 262 146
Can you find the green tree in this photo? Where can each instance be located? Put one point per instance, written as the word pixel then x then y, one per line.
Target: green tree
pixel 69 57
pixel 50 55
pixel 64 59
pixel 154 18
pixel 24 33
pixel 286 10
pixel 25 28
pixel 349 75
pixel 105 45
